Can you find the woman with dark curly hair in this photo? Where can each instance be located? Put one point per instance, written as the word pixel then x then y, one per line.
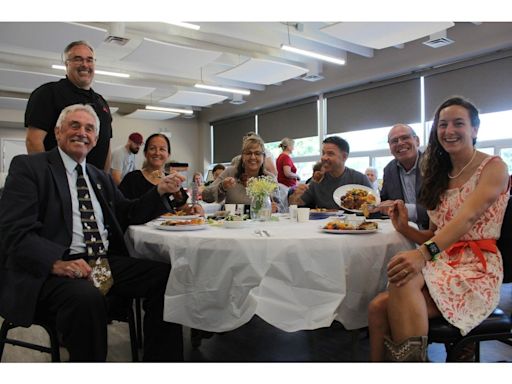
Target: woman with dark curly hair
pixel 457 270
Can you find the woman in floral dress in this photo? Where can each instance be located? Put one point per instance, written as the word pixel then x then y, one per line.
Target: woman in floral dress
pixel 457 270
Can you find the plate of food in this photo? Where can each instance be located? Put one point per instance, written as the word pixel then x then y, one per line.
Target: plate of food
pixel 182 225
pixel 178 215
pixel 342 227
pixel 355 197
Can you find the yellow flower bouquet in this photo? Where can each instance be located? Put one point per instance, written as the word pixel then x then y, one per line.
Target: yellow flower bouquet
pixel 259 189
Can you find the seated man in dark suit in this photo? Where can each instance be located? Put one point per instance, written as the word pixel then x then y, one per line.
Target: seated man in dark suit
pixel 61 243
pixel 402 176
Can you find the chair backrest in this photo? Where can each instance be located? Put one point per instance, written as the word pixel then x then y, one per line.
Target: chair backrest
pixel 505 243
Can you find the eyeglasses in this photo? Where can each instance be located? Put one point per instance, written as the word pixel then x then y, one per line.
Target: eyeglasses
pixel 255 154
pixel 81 60
pixel 396 140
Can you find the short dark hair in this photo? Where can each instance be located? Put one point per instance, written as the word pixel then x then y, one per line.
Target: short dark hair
pixel 217 167
pixel 146 144
pixel 339 142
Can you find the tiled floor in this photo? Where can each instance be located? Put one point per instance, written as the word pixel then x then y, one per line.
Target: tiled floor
pixel 259 342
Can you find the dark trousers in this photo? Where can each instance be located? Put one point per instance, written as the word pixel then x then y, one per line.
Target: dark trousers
pixel 80 310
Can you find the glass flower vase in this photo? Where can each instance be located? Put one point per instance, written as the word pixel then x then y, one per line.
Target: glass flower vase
pixel 261 208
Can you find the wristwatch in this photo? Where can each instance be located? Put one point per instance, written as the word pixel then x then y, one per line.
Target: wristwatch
pixel 432 248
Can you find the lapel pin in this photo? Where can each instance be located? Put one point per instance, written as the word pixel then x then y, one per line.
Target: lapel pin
pixel 99 186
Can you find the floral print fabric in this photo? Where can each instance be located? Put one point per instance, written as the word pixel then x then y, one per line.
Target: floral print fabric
pixel 467 292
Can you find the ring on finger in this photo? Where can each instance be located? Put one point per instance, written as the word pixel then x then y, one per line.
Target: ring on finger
pixel 405 271
pixel 77 274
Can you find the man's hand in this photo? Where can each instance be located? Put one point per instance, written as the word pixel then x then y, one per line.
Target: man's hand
pixel 170 183
pixel 194 209
pixel 74 269
pixel 295 197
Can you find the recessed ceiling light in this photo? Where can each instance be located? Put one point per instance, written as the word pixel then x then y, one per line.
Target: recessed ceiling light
pixel 223 89
pixel 173 110
pixel 315 55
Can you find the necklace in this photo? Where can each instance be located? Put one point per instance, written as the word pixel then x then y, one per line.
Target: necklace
pixel 463 168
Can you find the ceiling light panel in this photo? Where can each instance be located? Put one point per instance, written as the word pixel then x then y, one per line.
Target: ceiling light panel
pixel 13 103
pixel 49 39
pixel 379 35
pixel 23 81
pixel 261 71
pixel 172 110
pixel 196 99
pixel 169 59
pixel 151 115
pixel 121 90
pixel 223 89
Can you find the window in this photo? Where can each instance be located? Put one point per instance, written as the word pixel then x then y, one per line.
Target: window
pixel 358 163
pixel 506 155
pixel 307 146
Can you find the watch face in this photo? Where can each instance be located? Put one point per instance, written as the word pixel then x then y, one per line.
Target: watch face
pixel 432 247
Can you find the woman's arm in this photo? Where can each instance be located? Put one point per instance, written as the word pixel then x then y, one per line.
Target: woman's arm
pixel 289 174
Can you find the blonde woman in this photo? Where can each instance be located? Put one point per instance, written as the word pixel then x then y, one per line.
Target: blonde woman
pixel 286 169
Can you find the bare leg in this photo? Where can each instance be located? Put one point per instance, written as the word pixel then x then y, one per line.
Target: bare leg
pixel 409 308
pixel 378 325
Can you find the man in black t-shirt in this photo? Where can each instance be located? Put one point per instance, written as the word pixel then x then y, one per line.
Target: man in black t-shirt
pixel 47 101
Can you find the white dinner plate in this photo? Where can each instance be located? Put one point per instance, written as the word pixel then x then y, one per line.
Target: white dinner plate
pixel 342 191
pixel 349 231
pixel 176 228
pixel 177 217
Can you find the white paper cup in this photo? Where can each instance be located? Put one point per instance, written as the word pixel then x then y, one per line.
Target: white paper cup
pixel 230 208
pixel 302 214
pixel 292 209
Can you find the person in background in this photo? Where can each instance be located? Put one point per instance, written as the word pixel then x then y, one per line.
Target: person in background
pixel 216 171
pixel 157 150
pixel 44 253
pixel 372 175
pixel 197 179
pixel 402 177
pixel 270 164
pixel 335 151
pixel 457 270
pixel 318 173
pixel 231 184
pixel 286 170
pixel 123 157
pixel 46 102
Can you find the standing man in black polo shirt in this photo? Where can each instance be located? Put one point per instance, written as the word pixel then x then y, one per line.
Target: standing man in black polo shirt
pixel 47 101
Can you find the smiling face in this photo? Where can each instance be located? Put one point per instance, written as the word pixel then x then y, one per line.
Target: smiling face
pixel 80 66
pixel 333 159
pixel 253 157
pixel 77 134
pixel 157 152
pixel 403 144
pixel 454 130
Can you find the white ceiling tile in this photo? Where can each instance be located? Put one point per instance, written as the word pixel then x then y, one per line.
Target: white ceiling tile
pixel 13 103
pixel 170 59
pixel 379 35
pixel 47 39
pixel 261 71
pixel 151 115
pixel 121 90
pixel 197 99
pixel 23 81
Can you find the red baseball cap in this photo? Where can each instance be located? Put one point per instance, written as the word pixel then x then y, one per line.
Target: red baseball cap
pixel 136 138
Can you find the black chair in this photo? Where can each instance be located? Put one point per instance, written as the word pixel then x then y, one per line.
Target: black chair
pixel 498 326
pixel 120 309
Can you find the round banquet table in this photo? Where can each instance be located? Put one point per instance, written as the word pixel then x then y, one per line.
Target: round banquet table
pixel 299 278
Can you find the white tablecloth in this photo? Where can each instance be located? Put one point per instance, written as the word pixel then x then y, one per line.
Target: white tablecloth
pixel 299 278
